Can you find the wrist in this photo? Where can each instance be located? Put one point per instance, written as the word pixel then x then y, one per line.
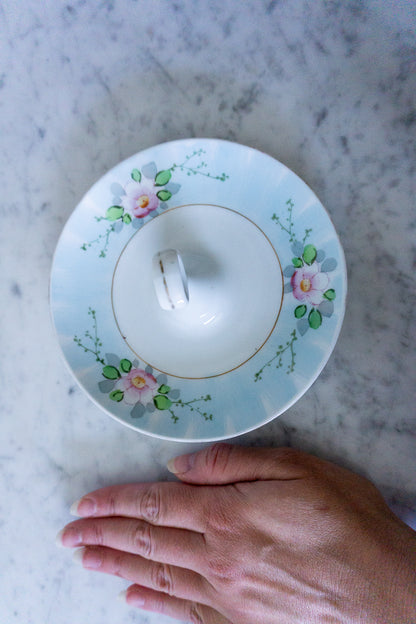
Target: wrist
pixel 406 576
pixel 382 581
pixel 398 570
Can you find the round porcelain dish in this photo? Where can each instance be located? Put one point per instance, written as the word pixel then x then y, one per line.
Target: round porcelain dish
pixel 267 288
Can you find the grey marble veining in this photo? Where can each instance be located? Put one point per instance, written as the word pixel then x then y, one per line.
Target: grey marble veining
pixel 328 88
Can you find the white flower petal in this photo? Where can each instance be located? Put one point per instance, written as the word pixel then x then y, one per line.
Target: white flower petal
pixel 320 281
pixel 132 395
pixel 146 395
pixel 314 297
pixel 122 384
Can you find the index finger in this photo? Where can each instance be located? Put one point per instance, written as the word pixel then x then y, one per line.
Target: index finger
pixel 167 504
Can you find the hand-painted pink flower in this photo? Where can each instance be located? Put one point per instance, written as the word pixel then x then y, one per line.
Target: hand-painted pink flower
pixel 309 284
pixel 138 386
pixel 139 199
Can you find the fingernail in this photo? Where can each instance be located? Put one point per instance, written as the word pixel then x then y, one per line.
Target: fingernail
pixel 134 598
pixel 68 537
pixel 83 507
pixel 58 539
pixel 181 464
pixel 78 555
pixel 88 558
pixel 73 510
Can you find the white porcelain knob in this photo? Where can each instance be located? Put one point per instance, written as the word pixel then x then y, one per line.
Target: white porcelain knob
pixel 170 280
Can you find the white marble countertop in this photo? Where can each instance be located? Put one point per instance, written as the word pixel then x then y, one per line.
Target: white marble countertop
pixel 328 88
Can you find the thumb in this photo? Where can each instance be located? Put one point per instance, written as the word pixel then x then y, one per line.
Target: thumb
pixel 226 463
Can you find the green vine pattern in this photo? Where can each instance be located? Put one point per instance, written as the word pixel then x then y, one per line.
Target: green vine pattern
pixel 147 193
pixel 290 224
pixel 192 407
pixel 143 389
pixel 199 169
pixel 279 357
pixel 94 341
pixel 310 285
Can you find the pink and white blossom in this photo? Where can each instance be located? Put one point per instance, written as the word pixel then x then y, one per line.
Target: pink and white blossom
pixel 139 200
pixel 309 284
pixel 138 386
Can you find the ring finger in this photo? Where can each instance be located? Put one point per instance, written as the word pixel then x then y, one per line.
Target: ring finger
pixel 162 577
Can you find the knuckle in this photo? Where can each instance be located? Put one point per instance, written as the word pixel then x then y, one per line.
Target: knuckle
pixel 141 539
pixel 96 534
pixel 149 504
pixel 161 578
pixel 160 605
pixel 218 456
pixel 223 570
pixel 118 565
pixel 111 505
pixel 195 616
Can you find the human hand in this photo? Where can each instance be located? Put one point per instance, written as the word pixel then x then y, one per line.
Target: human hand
pixel 253 536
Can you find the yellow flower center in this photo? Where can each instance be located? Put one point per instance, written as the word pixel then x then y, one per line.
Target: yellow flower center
pixel 305 285
pixel 143 201
pixel 138 382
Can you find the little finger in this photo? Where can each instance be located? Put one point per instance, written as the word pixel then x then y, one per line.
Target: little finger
pixel 185 610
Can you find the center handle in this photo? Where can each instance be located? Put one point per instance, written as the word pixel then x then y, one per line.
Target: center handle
pixel 169 280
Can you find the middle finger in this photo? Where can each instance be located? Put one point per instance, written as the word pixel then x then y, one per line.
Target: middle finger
pixel 167 545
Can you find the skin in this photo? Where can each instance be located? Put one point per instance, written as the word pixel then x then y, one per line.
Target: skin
pixel 252 535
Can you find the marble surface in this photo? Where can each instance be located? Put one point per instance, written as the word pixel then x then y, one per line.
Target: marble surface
pixel 329 89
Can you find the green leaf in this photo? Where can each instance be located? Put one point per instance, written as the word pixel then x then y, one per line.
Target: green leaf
pixel 127 219
pixel 136 175
pixel 114 213
pixel 163 177
pixel 297 262
pixel 309 254
pixel 164 389
pixel 315 319
pixel 111 372
pixel 330 294
pixel 116 395
pixel 125 366
pixel 162 402
pixel 164 195
pixel 300 311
